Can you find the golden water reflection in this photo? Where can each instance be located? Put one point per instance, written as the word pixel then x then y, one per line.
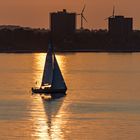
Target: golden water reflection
pixel 62 61
pixel 47 119
pixel 46 114
pixel 39 119
pixel 38 66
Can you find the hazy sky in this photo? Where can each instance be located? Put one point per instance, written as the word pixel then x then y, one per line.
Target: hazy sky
pixel 34 13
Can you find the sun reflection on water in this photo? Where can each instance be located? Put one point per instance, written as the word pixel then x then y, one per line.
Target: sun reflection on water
pixel 54 118
pixel 47 119
pixel 39 119
pixel 62 62
pixel 39 61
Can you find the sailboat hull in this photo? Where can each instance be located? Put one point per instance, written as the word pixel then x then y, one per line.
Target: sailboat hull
pixel 54 93
pixel 48 91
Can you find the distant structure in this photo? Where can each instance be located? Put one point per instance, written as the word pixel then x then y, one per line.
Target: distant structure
pixel 120 26
pixel 82 17
pixel 62 23
pixel 113 14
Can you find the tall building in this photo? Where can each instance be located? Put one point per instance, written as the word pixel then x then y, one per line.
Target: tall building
pixel 120 26
pixel 62 23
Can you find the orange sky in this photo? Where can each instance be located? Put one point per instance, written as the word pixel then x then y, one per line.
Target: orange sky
pixel 34 13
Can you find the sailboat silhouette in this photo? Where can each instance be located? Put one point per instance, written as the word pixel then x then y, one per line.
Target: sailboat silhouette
pixel 52 81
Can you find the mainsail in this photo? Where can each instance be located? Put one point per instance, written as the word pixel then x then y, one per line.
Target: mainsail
pixel 48 68
pixel 58 81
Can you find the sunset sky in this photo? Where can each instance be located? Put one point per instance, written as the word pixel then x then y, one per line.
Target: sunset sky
pixel 34 13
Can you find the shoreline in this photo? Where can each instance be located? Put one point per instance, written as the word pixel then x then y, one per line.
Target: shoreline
pixel 73 51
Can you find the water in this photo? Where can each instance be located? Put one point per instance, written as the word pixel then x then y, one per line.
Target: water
pixel 102 102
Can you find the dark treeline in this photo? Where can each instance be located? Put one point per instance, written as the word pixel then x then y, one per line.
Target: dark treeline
pixel 101 41
pixel 19 39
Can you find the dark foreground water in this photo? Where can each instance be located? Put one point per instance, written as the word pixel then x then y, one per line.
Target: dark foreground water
pixel 102 102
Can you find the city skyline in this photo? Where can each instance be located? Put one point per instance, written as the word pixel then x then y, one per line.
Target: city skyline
pixel 36 14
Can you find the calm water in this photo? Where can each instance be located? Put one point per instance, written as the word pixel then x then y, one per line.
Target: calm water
pixel 102 102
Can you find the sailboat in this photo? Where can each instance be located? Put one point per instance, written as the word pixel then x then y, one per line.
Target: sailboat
pixel 52 81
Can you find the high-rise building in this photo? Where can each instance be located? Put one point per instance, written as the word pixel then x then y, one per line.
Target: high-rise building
pixel 62 23
pixel 120 26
